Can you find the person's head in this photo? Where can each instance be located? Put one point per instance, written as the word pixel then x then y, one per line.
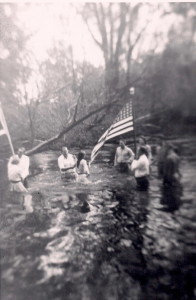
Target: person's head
pixel 171 148
pixel 65 151
pixel 122 144
pixel 161 139
pixel 15 160
pixel 142 151
pixel 142 140
pixel 81 155
pixel 21 151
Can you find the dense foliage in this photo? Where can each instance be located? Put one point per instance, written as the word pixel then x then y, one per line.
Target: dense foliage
pixel 41 98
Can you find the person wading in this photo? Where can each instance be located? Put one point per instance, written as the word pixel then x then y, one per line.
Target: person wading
pixel 67 165
pixel 15 178
pixel 123 157
pixel 141 169
pixel 143 143
pixel 172 187
pixel 82 167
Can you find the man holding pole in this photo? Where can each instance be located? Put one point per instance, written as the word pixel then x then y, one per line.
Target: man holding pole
pixel 123 157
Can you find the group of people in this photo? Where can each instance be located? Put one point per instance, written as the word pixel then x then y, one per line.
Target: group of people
pixel 71 168
pixel 168 167
pixel 139 163
pixel 74 168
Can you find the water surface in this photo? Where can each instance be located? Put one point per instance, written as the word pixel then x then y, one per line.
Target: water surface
pixel 101 240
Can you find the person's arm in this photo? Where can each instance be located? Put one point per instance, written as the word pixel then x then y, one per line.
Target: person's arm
pixel 131 155
pixel 135 165
pixel 60 163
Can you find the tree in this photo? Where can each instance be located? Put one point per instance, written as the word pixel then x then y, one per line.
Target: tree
pixel 113 28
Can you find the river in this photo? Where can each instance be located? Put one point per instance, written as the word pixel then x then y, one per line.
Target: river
pixel 101 240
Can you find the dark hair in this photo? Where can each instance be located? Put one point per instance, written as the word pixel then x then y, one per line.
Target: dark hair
pixel 15 160
pixel 173 147
pixel 81 155
pixel 143 138
pixel 143 150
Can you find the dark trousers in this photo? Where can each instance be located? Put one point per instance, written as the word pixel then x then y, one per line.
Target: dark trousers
pixel 142 183
pixel 172 191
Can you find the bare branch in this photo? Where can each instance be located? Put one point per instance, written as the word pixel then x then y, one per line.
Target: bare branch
pixel 67 129
pixel 103 28
pixel 92 35
pixel 121 29
pixel 111 30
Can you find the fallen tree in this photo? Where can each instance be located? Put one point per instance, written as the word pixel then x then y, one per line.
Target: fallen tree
pixel 41 146
pixel 73 124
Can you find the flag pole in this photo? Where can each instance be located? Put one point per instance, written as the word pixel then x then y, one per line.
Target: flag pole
pixel 4 124
pixel 132 92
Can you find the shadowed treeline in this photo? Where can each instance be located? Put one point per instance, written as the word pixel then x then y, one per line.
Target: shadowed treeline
pixel 42 97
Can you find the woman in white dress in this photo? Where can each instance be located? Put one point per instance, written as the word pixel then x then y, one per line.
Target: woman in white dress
pixel 16 188
pixel 15 176
pixel 82 168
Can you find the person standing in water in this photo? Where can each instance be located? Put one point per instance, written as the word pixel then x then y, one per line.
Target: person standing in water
pixel 67 165
pixel 24 163
pixel 123 157
pixel 143 143
pixel 15 178
pixel 172 188
pixel 18 191
pixel 82 166
pixel 141 170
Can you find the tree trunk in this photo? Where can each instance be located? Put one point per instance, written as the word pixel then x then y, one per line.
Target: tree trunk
pixel 53 139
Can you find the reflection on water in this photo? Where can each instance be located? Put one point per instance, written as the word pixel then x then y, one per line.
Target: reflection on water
pixel 102 240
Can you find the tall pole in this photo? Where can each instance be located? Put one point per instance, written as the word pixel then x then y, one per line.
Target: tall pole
pixel 132 92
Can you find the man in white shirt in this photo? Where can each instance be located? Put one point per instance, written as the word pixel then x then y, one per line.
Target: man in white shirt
pixel 141 167
pixel 123 157
pixel 67 165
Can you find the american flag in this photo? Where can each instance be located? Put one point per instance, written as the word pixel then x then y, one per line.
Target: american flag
pixel 3 125
pixel 4 128
pixel 122 124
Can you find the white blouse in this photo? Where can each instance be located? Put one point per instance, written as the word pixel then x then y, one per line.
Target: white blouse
pixel 14 172
pixel 83 167
pixel 141 166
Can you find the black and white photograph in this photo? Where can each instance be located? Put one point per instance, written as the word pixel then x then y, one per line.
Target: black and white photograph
pixel 97 150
